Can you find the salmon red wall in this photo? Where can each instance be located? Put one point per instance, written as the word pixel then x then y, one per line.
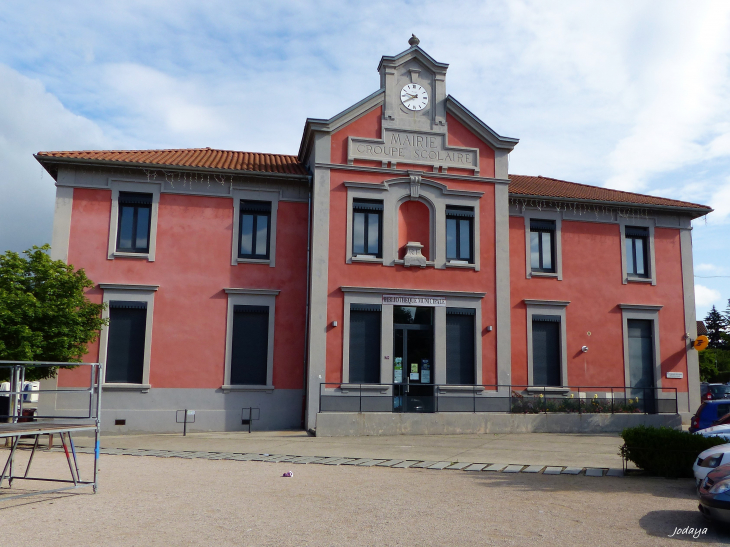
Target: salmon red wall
pixel 592 282
pixel 192 267
pixel 367 275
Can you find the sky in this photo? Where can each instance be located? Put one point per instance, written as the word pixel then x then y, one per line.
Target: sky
pixel 627 94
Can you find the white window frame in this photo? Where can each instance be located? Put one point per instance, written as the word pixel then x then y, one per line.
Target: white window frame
pixel 640 223
pixel 557 218
pixel 239 195
pixel 143 188
pixel 250 297
pixel 435 196
pixel 548 307
pixel 128 293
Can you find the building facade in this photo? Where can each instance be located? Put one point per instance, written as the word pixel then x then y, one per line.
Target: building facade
pixel 393 263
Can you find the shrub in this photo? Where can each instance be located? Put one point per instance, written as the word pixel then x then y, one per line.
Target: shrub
pixel 664 451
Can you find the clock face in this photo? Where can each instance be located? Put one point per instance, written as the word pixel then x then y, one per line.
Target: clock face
pixel 414 97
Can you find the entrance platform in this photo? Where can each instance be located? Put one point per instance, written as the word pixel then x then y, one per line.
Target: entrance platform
pixel 343 424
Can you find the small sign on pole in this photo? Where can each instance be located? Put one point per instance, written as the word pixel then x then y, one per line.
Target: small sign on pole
pixel 188 416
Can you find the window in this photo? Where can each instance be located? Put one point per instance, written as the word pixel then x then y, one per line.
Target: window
pixel 126 343
pixel 250 345
pixel 546 350
pixel 460 346
pixel 460 235
pixel 365 343
pixel 542 245
pixel 254 229
pixel 133 232
pixel 367 228
pixel 636 241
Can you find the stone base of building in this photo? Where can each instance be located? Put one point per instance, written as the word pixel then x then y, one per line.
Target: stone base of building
pixel 343 424
pixel 155 410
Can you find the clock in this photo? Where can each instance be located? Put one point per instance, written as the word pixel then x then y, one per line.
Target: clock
pixel 414 97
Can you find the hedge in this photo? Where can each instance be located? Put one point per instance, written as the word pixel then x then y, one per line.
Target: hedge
pixel 664 451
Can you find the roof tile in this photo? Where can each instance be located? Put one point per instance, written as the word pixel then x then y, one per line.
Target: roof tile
pixel 555 188
pixel 208 158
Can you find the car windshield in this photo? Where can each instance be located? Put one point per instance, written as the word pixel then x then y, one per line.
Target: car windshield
pixel 719 390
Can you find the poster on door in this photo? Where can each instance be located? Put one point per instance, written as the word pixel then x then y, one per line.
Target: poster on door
pixel 398 371
pixel 414 371
pixel 425 371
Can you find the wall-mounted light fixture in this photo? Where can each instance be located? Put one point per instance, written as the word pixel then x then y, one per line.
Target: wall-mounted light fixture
pixel 584 349
pixel 334 323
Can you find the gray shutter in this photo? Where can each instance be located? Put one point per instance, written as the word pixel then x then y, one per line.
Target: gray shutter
pixel 460 346
pixel 365 344
pixel 546 350
pixel 125 346
pixel 250 345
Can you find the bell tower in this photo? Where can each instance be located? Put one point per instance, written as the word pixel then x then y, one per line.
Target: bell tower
pixel 417 70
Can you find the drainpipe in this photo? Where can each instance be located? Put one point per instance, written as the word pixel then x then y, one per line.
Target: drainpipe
pixel 306 307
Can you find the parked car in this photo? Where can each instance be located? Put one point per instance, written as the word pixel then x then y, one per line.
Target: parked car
pixel 712 392
pixel 714 494
pixel 709 460
pixel 716 431
pixel 708 413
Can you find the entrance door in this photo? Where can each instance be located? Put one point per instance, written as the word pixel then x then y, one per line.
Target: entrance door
pixel 413 359
pixel 641 362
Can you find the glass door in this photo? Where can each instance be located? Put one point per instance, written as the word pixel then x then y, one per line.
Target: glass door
pixel 413 359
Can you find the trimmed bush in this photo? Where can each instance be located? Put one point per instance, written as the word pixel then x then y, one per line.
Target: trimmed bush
pixel 664 451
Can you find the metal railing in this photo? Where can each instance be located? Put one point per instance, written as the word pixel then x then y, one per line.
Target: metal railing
pixel 16 371
pixel 504 398
pixel 84 418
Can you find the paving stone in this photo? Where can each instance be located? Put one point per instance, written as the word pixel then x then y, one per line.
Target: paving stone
pixel 593 472
pixel 406 463
pixel 242 457
pixel 388 463
pixel 615 473
pixel 476 467
pixel 370 463
pixel 337 461
pixel 305 459
pixel 423 464
pixel 277 458
pixel 572 470
pixel 458 465
pixel 512 469
pixel 325 460
pixel 357 461
pixel 552 471
pixel 223 456
pixel 439 465
pixel 533 469
pixel 495 467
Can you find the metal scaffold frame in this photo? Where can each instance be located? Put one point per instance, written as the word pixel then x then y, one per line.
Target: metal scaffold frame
pixel 19 426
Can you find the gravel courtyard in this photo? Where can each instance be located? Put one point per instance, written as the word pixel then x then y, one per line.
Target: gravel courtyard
pixel 168 501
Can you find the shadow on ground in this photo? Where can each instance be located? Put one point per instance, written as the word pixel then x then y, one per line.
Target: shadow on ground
pixel 684 526
pixel 659 487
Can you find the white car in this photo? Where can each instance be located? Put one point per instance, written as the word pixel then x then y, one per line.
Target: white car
pixel 715 431
pixel 710 459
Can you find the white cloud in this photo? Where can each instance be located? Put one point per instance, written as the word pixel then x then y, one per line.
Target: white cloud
pixel 706 297
pixel 708 268
pixel 31 120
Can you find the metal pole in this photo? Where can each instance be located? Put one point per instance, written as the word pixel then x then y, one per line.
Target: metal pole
pixel 68 458
pixel 30 461
pixel 99 382
pixel 185 423
pixel 8 462
pixel 73 452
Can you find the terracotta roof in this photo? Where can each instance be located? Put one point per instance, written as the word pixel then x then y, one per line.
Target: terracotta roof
pixel 555 188
pixel 208 158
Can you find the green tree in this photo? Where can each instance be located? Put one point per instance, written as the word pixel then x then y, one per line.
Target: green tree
pixel 44 313
pixel 716 323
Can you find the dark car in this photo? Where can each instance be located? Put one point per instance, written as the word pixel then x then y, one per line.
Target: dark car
pixel 712 392
pixel 714 494
pixel 708 413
